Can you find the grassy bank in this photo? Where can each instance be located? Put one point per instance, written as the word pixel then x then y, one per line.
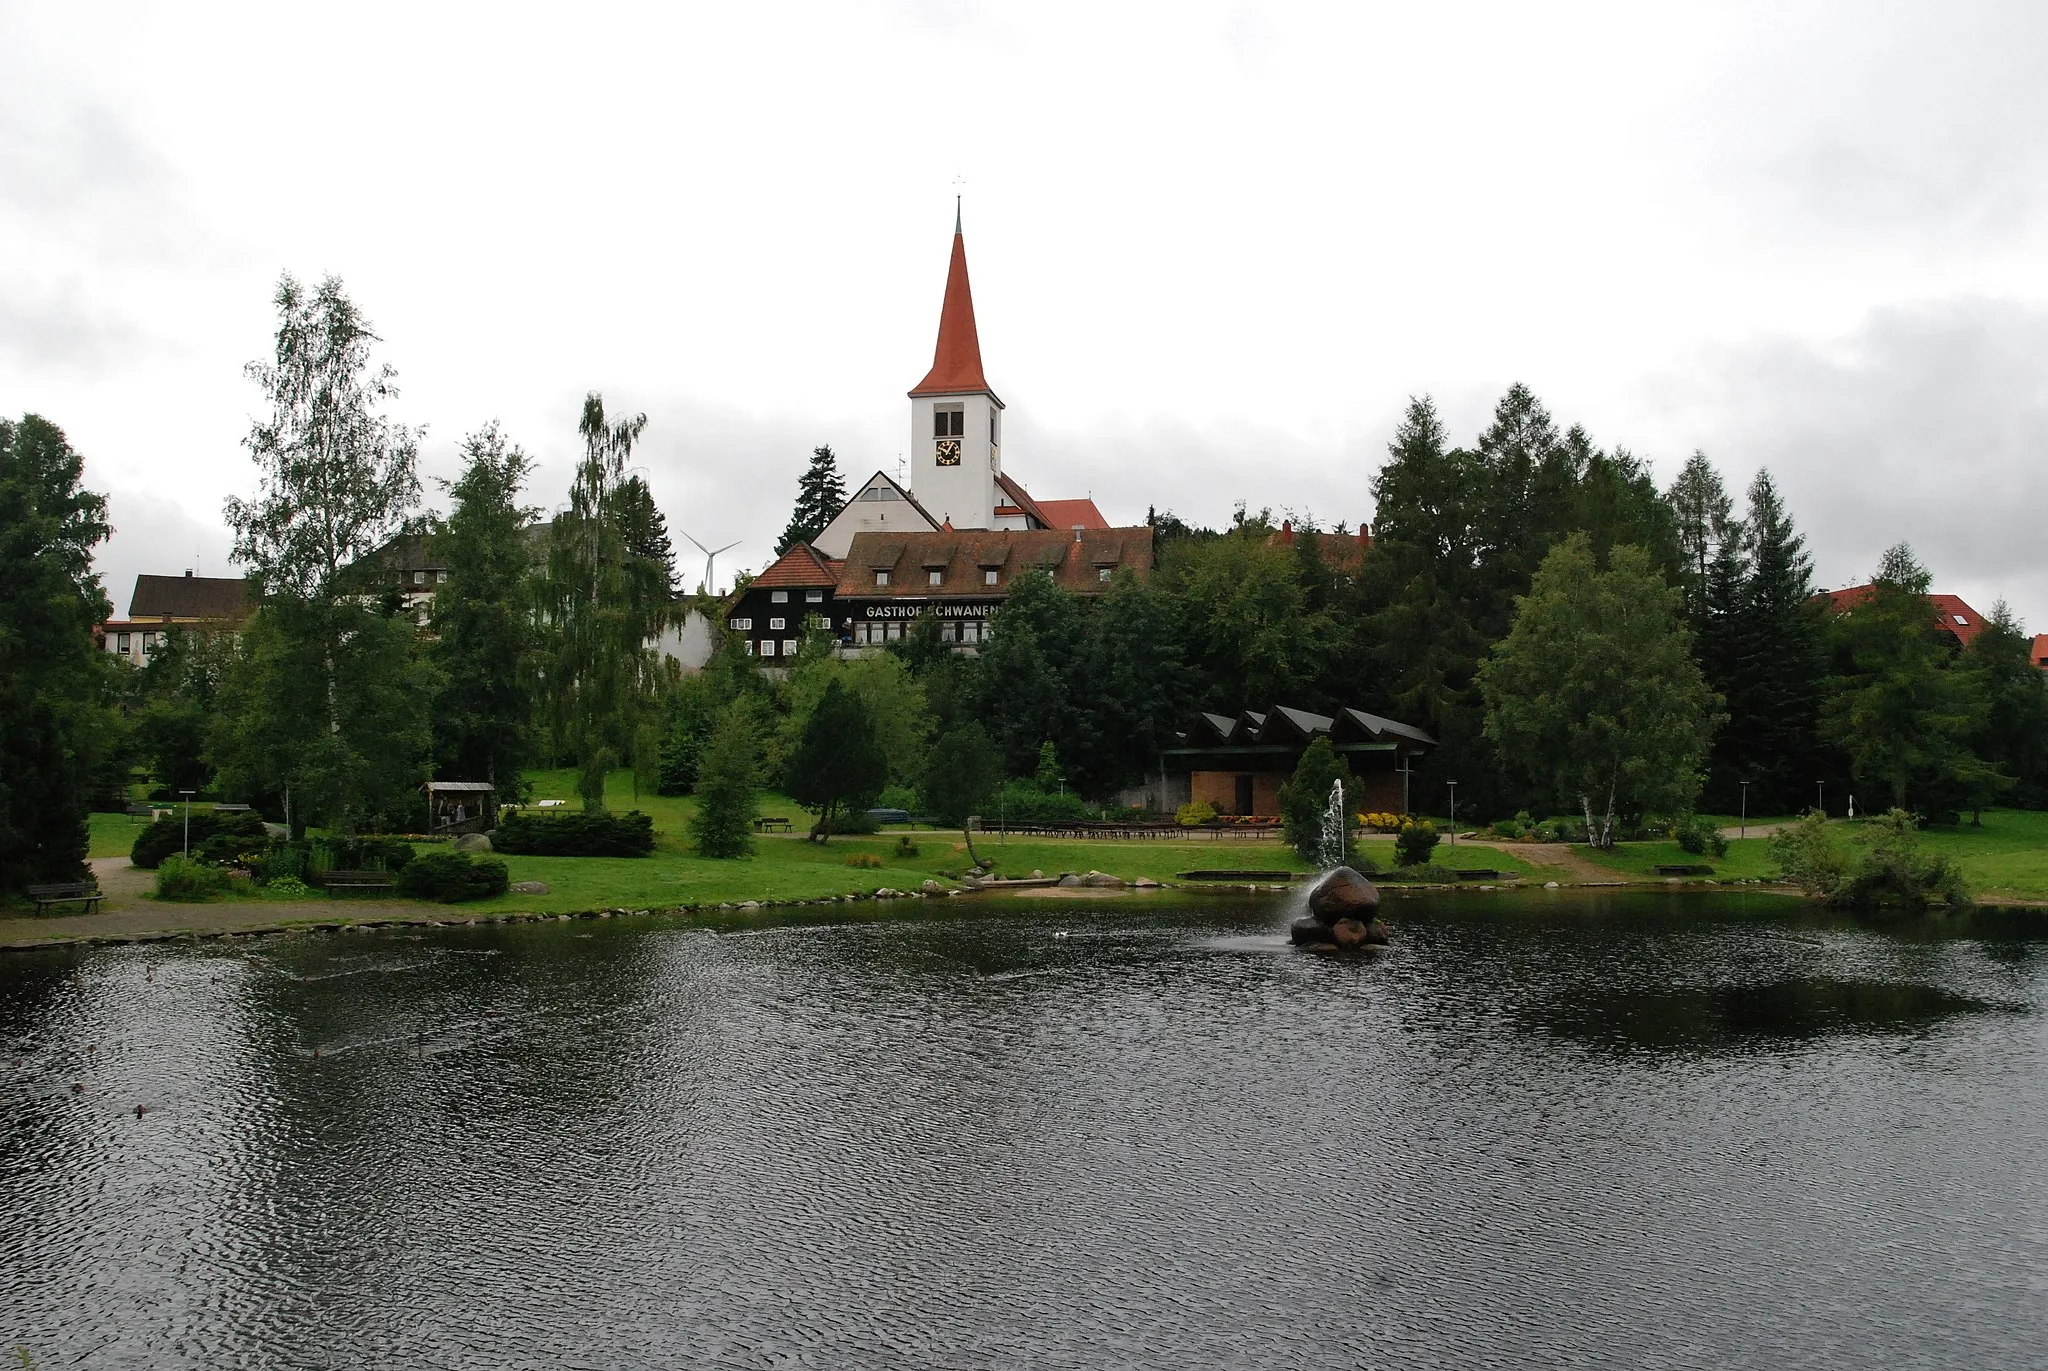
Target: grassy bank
pixel 1746 859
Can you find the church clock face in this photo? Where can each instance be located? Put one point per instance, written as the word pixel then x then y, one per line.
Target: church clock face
pixel 949 452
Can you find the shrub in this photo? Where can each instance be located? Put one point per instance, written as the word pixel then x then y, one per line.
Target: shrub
pixel 288 888
pixel 1195 812
pixel 1697 836
pixel 302 856
pixel 242 830
pixel 859 822
pixel 1520 828
pixel 905 847
pixel 182 878
pixel 1415 842
pixel 728 779
pixel 1891 870
pixel 1022 802
pixel 1304 799
pixel 451 876
pixel 284 862
pixel 864 861
pixel 531 834
pixel 897 797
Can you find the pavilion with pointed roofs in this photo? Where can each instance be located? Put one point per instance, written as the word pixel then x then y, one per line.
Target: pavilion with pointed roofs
pixel 947 544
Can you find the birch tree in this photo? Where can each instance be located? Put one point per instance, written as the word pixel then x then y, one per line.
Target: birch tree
pixel 1594 694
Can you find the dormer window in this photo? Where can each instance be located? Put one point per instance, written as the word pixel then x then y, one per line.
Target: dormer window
pixel 881 578
pixel 932 578
pixel 988 577
pixel 1102 573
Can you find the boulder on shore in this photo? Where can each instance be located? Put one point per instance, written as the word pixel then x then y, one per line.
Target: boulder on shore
pixel 1343 894
pixel 472 842
pixel 529 887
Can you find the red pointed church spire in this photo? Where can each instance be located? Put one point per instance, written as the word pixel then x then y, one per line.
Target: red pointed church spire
pixel 956 362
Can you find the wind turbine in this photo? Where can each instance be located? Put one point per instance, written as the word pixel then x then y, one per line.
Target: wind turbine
pixel 709 586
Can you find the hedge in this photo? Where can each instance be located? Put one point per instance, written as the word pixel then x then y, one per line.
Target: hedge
pixel 530 834
pixel 238 831
pixel 451 876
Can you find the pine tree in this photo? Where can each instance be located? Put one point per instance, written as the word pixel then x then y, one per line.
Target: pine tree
pixel 727 781
pixel 838 766
pixel 50 598
pixel 1704 516
pixel 1777 661
pixel 820 495
pixel 2013 736
pixel 647 543
pixel 483 625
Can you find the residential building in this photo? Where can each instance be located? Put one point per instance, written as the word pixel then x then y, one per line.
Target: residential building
pixel 160 603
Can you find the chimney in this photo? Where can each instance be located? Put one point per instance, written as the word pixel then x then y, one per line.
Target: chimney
pixel 1287 530
pixel 188 573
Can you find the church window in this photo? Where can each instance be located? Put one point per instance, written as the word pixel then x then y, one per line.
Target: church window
pixel 881 578
pixel 949 422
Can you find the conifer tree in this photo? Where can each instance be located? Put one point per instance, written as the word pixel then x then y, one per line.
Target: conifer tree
pixel 2013 736
pixel 50 689
pixel 820 495
pixel 1704 516
pixel 483 624
pixel 1777 660
pixel 727 781
pixel 838 766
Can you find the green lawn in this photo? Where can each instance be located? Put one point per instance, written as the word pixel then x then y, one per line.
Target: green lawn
pixel 1746 858
pixel 2007 857
pixel 114 834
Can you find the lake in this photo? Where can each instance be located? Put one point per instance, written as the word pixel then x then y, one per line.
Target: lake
pixel 1544 1129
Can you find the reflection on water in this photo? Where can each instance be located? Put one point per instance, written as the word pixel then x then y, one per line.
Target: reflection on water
pixel 1635 1130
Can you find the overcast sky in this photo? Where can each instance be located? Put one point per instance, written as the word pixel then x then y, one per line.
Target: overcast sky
pixel 1215 247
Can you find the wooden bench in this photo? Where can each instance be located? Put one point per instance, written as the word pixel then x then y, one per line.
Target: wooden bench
pixel 355 880
pixel 86 893
pixel 771 825
pixel 1684 869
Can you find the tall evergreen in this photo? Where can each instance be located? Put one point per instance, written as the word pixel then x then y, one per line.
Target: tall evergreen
pixel 1705 519
pixel 483 623
pixel 1776 663
pixel 820 495
pixel 50 691
pixel 646 537
pixel 2013 734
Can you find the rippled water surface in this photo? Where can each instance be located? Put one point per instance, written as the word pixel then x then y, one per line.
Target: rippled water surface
pixel 1646 1130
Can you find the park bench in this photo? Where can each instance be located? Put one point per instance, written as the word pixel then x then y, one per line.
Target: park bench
pixel 771 824
pixel 86 893
pixel 1477 873
pixel 1684 869
pixel 355 880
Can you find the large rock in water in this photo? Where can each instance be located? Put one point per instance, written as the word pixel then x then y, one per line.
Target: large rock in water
pixel 1343 894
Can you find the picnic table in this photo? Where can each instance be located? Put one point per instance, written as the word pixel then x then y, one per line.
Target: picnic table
pixel 771 824
pixel 86 893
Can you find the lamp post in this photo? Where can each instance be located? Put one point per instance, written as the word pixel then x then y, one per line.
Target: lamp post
pixel 1454 811
pixel 1407 768
pixel 188 821
pixel 1820 797
pixel 1743 831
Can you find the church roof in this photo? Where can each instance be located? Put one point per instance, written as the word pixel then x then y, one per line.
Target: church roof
pixel 956 361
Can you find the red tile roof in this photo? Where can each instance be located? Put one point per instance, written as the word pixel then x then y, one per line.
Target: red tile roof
pixel 1022 501
pixel 956 361
pixel 1951 612
pixel 803 565
pixel 2041 650
pixel 963 558
pixel 1072 514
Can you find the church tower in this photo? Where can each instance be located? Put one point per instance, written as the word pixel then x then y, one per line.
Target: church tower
pixel 955 419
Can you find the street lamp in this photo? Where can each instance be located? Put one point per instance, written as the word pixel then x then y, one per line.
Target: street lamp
pixel 188 821
pixel 1454 811
pixel 1820 797
pixel 1743 831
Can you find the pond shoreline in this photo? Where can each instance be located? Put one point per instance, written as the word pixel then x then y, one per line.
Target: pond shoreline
pixel 175 921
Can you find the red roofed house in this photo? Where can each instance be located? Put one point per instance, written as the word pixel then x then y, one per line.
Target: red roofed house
pixel 2040 652
pixel 1951 615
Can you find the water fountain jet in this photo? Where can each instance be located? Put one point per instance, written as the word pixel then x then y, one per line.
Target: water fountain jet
pixel 1342 905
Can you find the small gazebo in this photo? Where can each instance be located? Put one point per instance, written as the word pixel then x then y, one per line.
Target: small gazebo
pixel 460 807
